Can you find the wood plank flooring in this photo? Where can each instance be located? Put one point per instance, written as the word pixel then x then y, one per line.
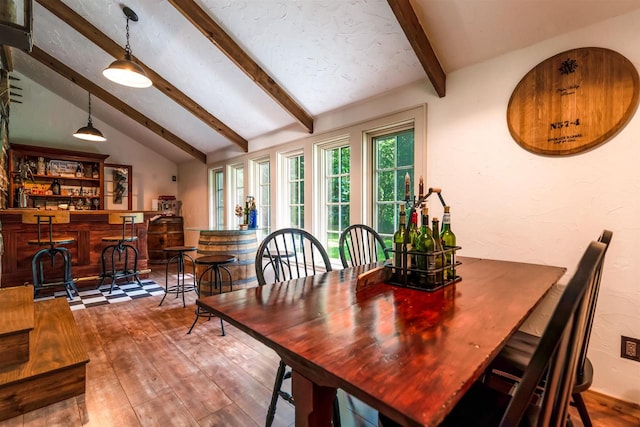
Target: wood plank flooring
pixel 146 371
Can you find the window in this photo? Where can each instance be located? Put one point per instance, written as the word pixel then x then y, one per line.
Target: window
pixel 263 193
pixel 236 185
pixel 393 158
pixel 295 188
pixel 336 193
pixel 218 198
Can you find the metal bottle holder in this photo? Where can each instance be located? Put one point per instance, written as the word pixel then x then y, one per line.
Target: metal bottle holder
pixel 418 270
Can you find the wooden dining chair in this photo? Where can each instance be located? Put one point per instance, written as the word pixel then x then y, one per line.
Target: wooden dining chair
pixel 517 352
pixel 286 254
pixel 360 244
pixel 553 363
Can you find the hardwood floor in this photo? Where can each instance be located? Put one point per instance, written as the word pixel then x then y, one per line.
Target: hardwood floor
pixel 146 371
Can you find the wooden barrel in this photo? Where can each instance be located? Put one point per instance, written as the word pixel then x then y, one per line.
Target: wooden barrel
pixel 240 243
pixel 163 232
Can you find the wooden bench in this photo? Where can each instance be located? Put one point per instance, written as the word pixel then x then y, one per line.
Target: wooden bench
pixel 56 369
pixel 16 305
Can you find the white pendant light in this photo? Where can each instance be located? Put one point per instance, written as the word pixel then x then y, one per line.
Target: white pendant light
pixel 125 71
pixel 88 132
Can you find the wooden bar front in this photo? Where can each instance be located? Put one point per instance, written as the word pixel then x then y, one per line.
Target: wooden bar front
pixel 86 227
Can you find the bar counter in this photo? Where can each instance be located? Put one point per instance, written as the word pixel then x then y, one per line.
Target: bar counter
pixel 86 227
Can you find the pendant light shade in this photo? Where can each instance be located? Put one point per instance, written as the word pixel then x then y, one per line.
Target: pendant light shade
pixel 88 132
pixel 125 71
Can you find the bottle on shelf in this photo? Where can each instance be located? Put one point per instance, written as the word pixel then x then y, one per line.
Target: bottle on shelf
pixel 55 187
pixel 398 240
pixel 448 239
pixel 425 245
pixel 438 255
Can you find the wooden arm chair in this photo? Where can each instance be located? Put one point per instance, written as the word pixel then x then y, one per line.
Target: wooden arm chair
pixel 283 255
pixel 360 244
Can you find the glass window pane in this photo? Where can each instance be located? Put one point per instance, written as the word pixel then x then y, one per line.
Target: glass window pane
pixel 386 186
pixel 344 217
pixel 405 149
pixel 386 219
pixel 333 190
pixel 345 190
pixel 385 153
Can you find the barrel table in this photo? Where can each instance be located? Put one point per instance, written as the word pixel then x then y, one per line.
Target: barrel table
pixel 241 244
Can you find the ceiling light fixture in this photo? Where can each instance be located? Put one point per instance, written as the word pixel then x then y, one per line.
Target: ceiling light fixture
pixel 88 132
pixel 125 71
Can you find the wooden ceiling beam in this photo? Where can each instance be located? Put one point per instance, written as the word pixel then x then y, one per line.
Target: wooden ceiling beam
pixel 6 60
pixel 212 31
pixel 84 27
pixel 406 16
pixel 116 103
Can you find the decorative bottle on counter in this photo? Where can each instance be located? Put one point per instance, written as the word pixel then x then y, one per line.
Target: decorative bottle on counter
pixel 253 216
pixel 413 237
pixel 439 257
pixel 55 187
pixel 398 240
pixel 448 240
pixel 425 244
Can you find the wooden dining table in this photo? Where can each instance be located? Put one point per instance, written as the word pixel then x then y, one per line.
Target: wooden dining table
pixel 408 353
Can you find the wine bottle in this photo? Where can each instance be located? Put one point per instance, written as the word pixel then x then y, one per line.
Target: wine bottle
pixel 398 241
pixel 448 239
pixel 425 245
pixel 439 257
pixel 411 242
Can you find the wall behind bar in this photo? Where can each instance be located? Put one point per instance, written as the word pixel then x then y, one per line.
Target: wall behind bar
pixel 45 119
pixel 511 204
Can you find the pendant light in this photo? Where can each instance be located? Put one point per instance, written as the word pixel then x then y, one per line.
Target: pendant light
pixel 88 132
pixel 125 71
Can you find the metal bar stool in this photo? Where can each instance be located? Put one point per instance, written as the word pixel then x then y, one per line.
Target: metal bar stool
pixel 180 287
pixel 213 263
pixel 52 251
pixel 122 249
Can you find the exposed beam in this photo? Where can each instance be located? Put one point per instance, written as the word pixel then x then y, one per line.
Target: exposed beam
pixel 97 91
pixel 85 28
pixel 406 16
pixel 211 30
pixel 6 60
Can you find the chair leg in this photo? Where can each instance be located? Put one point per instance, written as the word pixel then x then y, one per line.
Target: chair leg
pixel 582 409
pixel 336 412
pixel 276 392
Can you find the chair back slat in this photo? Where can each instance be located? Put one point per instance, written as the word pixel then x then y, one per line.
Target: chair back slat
pixel 605 238
pixel 557 352
pixel 290 253
pixel 360 244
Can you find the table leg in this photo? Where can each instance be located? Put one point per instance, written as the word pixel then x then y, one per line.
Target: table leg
pixel 314 404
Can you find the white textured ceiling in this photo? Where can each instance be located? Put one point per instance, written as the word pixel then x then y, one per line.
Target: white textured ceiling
pixel 324 53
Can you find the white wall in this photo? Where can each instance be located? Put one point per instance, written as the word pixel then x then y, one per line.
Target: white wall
pixel 47 120
pixel 512 204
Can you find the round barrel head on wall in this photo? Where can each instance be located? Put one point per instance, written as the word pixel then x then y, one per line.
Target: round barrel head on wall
pixel 573 101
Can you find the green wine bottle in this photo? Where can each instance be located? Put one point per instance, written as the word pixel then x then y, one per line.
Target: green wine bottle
pixel 411 244
pixel 448 239
pixel 398 241
pixel 439 257
pixel 425 244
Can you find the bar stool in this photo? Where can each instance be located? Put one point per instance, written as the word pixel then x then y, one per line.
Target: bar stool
pixel 180 287
pixel 37 267
pixel 121 248
pixel 213 263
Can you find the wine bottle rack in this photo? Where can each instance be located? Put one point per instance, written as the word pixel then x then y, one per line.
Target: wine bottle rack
pixel 409 275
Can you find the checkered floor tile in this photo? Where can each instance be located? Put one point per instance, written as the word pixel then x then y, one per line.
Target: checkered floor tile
pixel 121 293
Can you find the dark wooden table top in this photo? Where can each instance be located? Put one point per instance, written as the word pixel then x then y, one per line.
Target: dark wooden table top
pixel 407 353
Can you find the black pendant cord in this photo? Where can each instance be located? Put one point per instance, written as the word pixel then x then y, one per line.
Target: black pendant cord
pixel 90 124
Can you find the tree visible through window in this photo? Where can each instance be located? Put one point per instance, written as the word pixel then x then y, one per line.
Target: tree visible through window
pixel 393 159
pixel 338 194
pixel 296 191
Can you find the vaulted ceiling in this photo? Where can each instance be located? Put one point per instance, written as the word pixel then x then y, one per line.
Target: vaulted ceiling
pixel 228 71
